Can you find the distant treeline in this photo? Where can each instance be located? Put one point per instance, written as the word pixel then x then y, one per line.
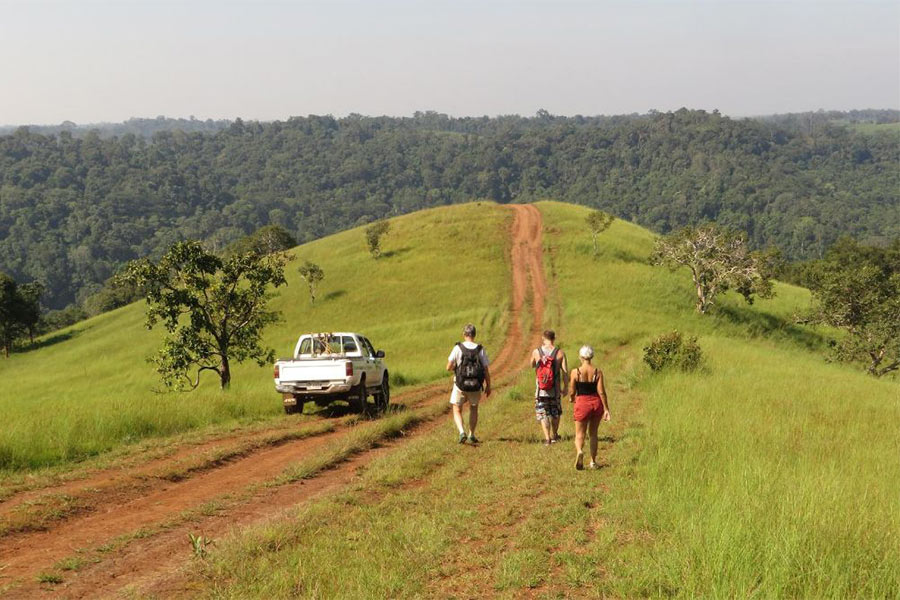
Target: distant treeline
pixel 74 209
pixel 135 126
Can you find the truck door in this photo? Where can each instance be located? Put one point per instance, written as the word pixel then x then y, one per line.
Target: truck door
pixel 373 373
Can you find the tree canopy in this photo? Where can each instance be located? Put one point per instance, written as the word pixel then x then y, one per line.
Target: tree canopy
pixel 857 289
pixel 75 208
pixel 213 309
pixel 20 311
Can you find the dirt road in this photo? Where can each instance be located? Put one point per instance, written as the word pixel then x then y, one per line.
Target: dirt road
pixel 141 515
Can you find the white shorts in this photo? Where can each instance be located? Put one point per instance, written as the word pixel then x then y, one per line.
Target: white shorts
pixel 459 397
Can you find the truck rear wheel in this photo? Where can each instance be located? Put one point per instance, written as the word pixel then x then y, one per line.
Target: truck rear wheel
pixel 358 397
pixel 383 397
pixel 293 409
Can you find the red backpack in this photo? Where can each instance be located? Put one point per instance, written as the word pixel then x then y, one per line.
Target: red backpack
pixel 546 370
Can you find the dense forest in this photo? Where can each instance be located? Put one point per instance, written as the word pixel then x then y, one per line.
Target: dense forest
pixel 73 208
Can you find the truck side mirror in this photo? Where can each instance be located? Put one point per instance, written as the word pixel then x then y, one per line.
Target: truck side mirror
pixel 379 354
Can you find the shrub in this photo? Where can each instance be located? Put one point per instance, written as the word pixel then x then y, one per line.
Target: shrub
pixel 673 350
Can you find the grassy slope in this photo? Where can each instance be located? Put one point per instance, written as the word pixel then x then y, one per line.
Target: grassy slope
pixel 92 392
pixel 878 128
pixel 771 473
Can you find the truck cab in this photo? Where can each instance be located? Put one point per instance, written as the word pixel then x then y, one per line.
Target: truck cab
pixel 333 366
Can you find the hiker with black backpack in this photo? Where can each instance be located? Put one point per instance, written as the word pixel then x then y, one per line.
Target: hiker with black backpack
pixel 469 363
pixel 551 376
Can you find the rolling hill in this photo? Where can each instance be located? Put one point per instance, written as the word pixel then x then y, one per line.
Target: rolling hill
pixel 88 388
pixel 767 473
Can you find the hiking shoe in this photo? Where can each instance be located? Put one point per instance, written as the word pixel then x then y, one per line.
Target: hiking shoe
pixel 593 466
pixel 554 440
pixel 473 439
pixel 462 438
pixel 579 461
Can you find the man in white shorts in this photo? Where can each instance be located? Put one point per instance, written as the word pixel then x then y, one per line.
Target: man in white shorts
pixel 469 363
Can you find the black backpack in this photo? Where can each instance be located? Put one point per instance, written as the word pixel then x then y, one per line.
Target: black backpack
pixel 469 369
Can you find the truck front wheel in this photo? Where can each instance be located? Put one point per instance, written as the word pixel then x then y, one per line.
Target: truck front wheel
pixel 358 397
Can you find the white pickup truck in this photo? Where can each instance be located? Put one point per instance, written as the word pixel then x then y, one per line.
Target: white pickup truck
pixel 333 366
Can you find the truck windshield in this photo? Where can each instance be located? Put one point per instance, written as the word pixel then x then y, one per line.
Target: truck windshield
pixel 329 344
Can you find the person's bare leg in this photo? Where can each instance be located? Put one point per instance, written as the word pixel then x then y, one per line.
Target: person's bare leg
pixel 592 431
pixel 546 428
pixel 555 422
pixel 473 418
pixel 458 418
pixel 580 427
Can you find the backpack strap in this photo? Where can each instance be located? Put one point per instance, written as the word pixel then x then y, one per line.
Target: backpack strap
pixel 462 348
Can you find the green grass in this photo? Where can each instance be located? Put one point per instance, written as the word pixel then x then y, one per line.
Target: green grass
pixel 892 129
pixel 768 473
pixel 433 519
pixel 89 389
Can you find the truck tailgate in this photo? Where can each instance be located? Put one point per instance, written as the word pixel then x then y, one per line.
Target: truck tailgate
pixel 313 370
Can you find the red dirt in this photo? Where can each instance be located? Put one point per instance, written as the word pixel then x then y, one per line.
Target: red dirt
pixel 125 508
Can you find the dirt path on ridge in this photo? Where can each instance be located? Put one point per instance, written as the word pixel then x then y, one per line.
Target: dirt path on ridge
pixel 124 509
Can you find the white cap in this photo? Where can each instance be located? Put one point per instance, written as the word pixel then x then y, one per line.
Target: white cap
pixel 586 352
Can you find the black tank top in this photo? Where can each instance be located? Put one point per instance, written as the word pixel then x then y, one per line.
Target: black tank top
pixel 586 388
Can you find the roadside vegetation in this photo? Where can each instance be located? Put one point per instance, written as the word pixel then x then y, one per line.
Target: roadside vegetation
pixel 87 389
pixel 767 472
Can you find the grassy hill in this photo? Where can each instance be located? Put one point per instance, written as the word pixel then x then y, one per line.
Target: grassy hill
pixel 88 389
pixel 769 473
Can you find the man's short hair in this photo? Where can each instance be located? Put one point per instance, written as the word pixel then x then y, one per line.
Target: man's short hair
pixel 550 335
pixel 469 330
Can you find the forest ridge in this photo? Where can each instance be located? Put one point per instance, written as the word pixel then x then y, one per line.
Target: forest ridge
pixel 73 209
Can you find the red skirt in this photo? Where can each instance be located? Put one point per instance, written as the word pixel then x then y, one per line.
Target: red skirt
pixel 588 407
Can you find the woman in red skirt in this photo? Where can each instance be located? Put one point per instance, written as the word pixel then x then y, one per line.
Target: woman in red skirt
pixel 589 395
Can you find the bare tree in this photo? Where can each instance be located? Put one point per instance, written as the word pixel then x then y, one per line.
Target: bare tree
pixel 719 260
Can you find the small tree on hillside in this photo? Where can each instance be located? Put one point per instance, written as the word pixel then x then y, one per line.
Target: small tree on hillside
pixel 213 309
pixel 30 307
pixel 857 289
pixel 374 233
pixel 312 274
pixel 719 260
pixel 598 222
pixel 265 240
pixel 11 327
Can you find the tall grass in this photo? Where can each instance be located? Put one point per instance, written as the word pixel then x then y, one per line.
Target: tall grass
pixel 769 472
pixel 93 390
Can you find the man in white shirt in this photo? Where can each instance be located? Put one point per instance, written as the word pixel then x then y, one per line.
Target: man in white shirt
pixel 470 365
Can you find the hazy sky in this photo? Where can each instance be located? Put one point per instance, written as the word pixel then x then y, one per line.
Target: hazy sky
pixel 90 61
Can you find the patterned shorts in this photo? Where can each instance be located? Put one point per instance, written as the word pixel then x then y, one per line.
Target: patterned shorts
pixel 547 408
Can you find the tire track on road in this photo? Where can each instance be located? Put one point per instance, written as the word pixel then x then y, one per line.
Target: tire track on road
pixel 28 554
